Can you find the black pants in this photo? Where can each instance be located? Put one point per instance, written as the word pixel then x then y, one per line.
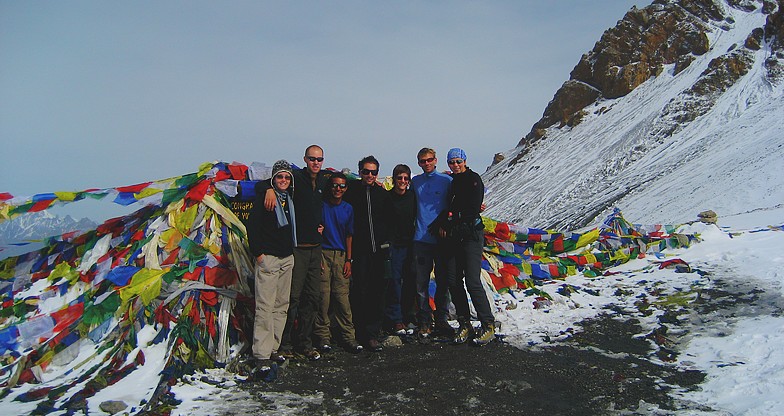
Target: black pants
pixel 305 299
pixel 367 293
pixel 468 262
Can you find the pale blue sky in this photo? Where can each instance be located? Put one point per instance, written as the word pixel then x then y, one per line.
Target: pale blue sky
pixel 107 93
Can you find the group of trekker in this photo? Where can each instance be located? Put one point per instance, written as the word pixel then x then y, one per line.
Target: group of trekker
pixel 342 262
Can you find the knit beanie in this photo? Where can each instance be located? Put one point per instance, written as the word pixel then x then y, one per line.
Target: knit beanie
pixel 280 166
pixel 456 153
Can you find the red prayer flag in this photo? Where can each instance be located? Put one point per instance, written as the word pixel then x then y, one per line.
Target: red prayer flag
pixel 133 188
pixel 198 191
pixel 41 205
pixel 238 171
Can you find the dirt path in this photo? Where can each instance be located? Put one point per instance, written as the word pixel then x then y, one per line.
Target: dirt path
pixel 440 378
pixel 603 369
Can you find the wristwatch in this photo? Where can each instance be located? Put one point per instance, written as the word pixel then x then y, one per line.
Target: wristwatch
pixel 350 260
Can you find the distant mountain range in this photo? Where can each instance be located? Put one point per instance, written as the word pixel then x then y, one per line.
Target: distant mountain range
pixel 39 225
pixel 676 110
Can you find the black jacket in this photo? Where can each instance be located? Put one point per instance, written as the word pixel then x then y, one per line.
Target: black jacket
pixel 461 220
pixel 372 211
pixel 308 203
pixel 466 196
pixel 403 220
pixel 264 236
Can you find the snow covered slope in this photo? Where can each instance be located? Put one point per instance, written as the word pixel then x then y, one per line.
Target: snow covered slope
pixel 684 141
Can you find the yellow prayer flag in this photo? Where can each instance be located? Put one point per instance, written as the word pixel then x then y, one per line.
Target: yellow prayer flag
pixel 224 212
pixel 146 283
pixel 63 269
pixel 144 193
pixel 65 196
pixel 489 224
pixel 183 221
pixel 588 238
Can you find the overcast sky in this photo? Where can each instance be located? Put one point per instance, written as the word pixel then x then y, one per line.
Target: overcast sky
pixel 98 94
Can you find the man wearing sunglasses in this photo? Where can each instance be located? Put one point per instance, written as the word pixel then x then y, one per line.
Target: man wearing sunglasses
pixel 309 182
pixel 465 229
pixel 431 189
pixel 337 256
pixel 370 245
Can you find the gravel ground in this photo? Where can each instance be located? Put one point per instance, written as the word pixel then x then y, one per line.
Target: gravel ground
pixel 600 372
pixel 604 369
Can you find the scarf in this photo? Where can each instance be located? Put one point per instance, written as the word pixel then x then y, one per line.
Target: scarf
pixel 281 201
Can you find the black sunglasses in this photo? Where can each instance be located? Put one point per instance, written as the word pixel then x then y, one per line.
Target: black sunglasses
pixel 402 178
pixel 282 176
pixel 428 160
pixel 455 161
pixel 315 159
pixel 373 172
pixel 338 185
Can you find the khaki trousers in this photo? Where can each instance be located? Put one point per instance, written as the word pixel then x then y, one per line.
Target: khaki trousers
pixel 335 309
pixel 273 288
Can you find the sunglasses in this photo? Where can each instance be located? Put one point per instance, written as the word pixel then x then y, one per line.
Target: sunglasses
pixel 402 178
pixel 373 172
pixel 314 158
pixel 428 160
pixel 282 176
pixel 455 161
pixel 338 186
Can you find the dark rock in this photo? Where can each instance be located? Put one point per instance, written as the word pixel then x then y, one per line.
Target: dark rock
pixel 113 406
pixel 754 39
pixel 572 97
pixel 682 63
pixel 498 158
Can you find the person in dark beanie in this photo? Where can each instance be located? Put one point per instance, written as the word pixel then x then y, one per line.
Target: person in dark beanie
pixel 464 227
pixel 271 241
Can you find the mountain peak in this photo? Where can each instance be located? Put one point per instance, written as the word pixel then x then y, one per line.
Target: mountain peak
pixel 671 84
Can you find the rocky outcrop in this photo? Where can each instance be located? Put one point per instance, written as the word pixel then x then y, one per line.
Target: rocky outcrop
pixel 636 49
pixel 722 73
pixel 774 34
pixel 572 97
pixel 681 139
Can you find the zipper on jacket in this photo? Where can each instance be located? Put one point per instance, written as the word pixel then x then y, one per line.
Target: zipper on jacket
pixel 370 220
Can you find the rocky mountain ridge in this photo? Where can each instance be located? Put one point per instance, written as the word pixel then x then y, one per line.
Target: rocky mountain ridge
pixel 681 75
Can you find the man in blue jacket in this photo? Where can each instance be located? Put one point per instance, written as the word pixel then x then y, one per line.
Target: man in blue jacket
pixel 431 189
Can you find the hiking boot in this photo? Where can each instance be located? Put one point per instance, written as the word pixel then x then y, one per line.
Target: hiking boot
pixel 424 331
pixel 464 333
pixel 326 348
pixel 485 335
pixel 399 329
pixel 277 358
pixel 374 346
pixel 312 354
pixel 353 348
pixel 286 353
pixel 443 329
pixel 261 367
